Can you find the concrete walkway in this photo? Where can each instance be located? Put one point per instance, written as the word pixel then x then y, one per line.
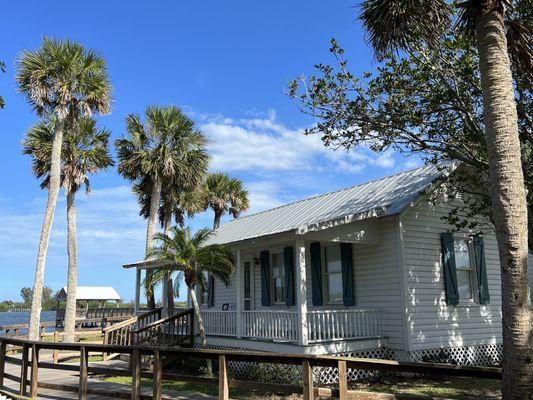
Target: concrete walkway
pixel 69 378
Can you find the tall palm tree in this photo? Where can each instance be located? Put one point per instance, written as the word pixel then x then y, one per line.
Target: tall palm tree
pixel 85 151
pixel 503 32
pixel 178 201
pixel 159 150
pixel 225 195
pixel 182 251
pixel 63 80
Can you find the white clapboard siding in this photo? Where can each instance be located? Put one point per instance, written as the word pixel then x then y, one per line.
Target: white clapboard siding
pixel 431 323
pixel 377 283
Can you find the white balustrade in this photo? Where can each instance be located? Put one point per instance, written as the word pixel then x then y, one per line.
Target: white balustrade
pixel 283 325
pixel 220 323
pixel 273 325
pixel 327 325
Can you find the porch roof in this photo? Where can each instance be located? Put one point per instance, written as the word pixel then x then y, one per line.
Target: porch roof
pixel 377 198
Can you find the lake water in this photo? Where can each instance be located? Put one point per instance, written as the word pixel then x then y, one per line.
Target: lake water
pixel 12 318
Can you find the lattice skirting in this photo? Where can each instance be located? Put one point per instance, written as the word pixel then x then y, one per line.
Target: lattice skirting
pixel 484 355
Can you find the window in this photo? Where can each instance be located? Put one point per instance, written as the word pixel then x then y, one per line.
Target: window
pixel 333 274
pixel 278 278
pixel 463 264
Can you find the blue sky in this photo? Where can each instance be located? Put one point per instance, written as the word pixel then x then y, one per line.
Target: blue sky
pixel 227 63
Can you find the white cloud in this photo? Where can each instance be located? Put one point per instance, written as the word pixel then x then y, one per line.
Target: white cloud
pixel 264 144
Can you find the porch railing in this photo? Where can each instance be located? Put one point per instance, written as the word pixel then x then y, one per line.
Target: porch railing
pixel 283 325
pixel 220 323
pixel 328 325
pixel 274 325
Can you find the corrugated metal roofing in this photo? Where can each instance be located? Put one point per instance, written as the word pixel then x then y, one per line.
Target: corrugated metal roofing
pixel 91 293
pixel 378 198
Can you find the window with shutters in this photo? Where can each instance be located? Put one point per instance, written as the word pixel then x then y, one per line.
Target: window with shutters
pixel 278 278
pixel 464 263
pixel 332 274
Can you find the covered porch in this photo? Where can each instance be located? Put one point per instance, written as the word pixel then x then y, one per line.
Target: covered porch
pixel 296 288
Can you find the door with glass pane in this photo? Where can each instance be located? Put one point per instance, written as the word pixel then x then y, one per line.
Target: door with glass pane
pixel 248 285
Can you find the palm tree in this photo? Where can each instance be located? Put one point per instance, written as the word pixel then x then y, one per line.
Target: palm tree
pixel 182 251
pixel 64 81
pixel 225 195
pixel 85 151
pixel 158 151
pixel 176 203
pixel 503 32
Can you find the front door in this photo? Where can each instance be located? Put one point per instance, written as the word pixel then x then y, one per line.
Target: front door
pixel 247 285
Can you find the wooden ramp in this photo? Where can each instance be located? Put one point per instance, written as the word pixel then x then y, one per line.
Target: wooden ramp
pixel 97 388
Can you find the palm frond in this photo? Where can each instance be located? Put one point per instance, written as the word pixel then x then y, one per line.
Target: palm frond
pixel 63 79
pixel 394 25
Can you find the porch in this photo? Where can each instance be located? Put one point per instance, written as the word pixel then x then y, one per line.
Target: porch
pixel 318 326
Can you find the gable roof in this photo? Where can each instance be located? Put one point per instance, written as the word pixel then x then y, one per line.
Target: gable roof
pixel 91 293
pixel 377 198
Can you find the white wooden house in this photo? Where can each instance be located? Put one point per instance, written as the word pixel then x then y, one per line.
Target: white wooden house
pixel 371 270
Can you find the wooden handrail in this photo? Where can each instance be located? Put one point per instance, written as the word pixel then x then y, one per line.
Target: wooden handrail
pixel 308 362
pixel 164 320
pixel 122 324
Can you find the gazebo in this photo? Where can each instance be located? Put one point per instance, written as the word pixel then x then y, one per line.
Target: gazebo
pixel 91 293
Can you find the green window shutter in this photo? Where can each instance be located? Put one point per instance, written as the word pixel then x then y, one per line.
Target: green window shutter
pixel 288 258
pixel 450 272
pixel 211 291
pixel 481 270
pixel 348 291
pixel 265 278
pixel 316 273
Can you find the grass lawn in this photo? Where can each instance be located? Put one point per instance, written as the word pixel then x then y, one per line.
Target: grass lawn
pixel 445 387
pixel 448 388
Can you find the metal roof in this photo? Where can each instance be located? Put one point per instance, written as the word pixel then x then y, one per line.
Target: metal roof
pixel 91 293
pixel 377 198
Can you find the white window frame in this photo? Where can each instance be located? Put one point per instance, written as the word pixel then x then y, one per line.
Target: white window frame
pixel 325 276
pixel 277 252
pixel 474 295
pixel 252 282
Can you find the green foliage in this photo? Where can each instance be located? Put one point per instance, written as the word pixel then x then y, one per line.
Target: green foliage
pixel 85 151
pixel 167 147
pixel 26 293
pixel 189 253
pixel 427 103
pixel 63 79
pixel 225 195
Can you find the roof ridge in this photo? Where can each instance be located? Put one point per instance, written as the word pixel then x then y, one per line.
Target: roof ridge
pixel 327 193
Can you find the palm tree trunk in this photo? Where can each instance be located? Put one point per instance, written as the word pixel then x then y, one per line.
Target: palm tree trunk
pixel 155 199
pixel 168 223
pixel 216 222
pixel 530 229
pixel 198 316
pixel 72 278
pixel 201 326
pixel 53 191
pixel 508 202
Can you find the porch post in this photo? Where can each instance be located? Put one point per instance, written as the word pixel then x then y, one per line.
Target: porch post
pixel 240 283
pixel 164 297
pixel 137 290
pixel 301 291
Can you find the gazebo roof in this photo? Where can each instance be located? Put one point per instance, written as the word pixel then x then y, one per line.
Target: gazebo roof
pixel 91 293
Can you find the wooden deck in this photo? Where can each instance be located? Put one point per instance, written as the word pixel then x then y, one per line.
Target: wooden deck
pixel 70 379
